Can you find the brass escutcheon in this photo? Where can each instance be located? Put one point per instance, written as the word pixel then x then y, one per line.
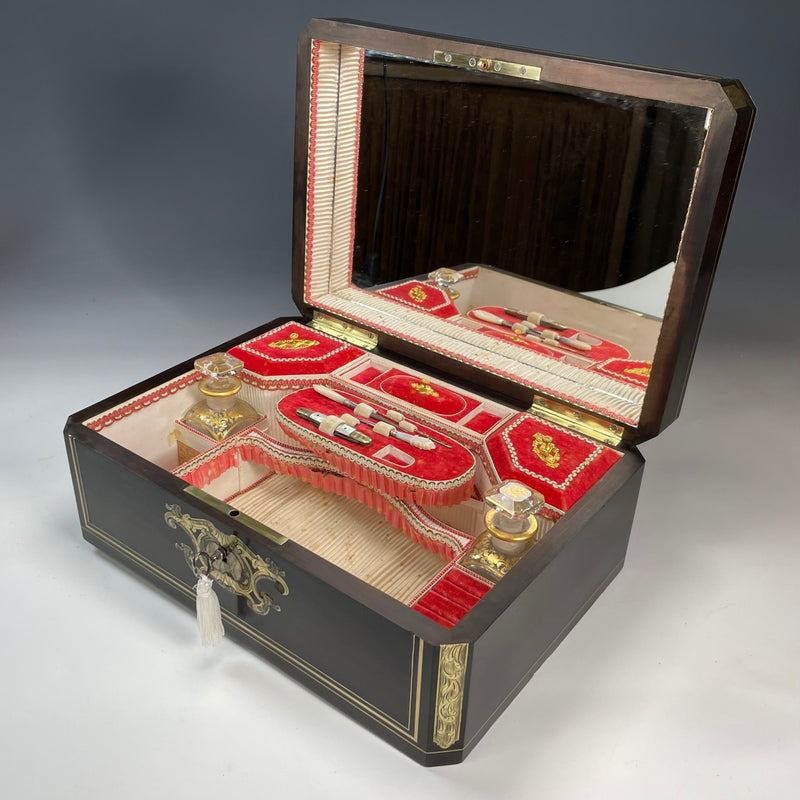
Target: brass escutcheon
pixel 226 560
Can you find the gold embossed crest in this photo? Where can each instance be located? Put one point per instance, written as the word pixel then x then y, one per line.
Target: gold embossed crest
pixel 294 342
pixel 643 371
pixel 424 387
pixel 418 294
pixel 546 449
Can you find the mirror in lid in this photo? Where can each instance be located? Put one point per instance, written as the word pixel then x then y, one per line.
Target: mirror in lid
pixel 543 227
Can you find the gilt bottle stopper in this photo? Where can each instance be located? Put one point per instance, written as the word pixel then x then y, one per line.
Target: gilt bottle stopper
pixel 220 413
pixel 511 529
pixel 510 519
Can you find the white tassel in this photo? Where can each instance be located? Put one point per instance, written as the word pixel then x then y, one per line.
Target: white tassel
pixel 209 617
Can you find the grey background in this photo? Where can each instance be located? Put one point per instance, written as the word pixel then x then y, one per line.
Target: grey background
pixel 145 171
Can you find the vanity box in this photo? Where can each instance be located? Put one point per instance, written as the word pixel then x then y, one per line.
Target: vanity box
pixel 507 254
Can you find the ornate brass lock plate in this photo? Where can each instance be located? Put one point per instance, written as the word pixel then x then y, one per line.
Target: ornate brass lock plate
pixel 225 559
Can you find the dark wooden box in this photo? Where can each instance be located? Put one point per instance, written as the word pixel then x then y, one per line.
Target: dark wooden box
pixel 429 690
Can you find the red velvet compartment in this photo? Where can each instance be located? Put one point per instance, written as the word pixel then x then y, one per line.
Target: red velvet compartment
pixel 366 375
pixel 422 393
pixel 635 372
pixel 482 422
pixel 293 349
pixel 424 296
pixel 439 477
pixel 451 597
pixel 560 464
pixel 599 352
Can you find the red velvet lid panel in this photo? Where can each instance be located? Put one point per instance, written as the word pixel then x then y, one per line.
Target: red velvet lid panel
pixel 438 477
pixel 635 372
pixel 423 296
pixel 294 350
pixel 560 464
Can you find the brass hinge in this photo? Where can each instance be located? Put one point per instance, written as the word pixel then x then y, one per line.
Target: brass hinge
pixel 366 340
pixel 483 64
pixel 600 429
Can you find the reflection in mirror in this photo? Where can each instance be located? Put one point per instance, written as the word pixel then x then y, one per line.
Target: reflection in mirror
pixel 577 189
pixel 554 206
pixel 599 337
pixel 530 213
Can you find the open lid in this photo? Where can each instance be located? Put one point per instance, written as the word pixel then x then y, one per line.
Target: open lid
pixel 540 190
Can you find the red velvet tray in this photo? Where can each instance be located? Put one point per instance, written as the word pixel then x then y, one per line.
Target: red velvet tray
pixel 441 476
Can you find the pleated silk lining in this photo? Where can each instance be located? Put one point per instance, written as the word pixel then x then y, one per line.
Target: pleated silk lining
pixel 344 532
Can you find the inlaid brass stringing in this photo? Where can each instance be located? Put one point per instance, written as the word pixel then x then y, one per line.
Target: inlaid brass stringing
pixel 226 560
pixel 450 694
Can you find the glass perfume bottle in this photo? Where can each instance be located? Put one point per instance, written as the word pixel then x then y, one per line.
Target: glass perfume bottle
pixel 445 278
pixel 220 413
pixel 511 529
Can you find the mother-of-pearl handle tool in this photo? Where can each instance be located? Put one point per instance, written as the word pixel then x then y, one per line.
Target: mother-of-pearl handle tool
pixel 362 409
pixel 388 429
pixel 523 329
pixel 535 318
pixel 342 429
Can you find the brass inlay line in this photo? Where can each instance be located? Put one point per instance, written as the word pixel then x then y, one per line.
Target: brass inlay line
pixel 565 628
pixel 83 510
pixel 409 731
pixel 298 662
pixel 450 694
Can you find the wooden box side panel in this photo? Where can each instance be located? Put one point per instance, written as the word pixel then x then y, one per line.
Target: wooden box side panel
pixel 354 657
pixel 591 551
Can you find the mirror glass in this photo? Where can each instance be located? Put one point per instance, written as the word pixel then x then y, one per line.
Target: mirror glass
pixel 562 205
